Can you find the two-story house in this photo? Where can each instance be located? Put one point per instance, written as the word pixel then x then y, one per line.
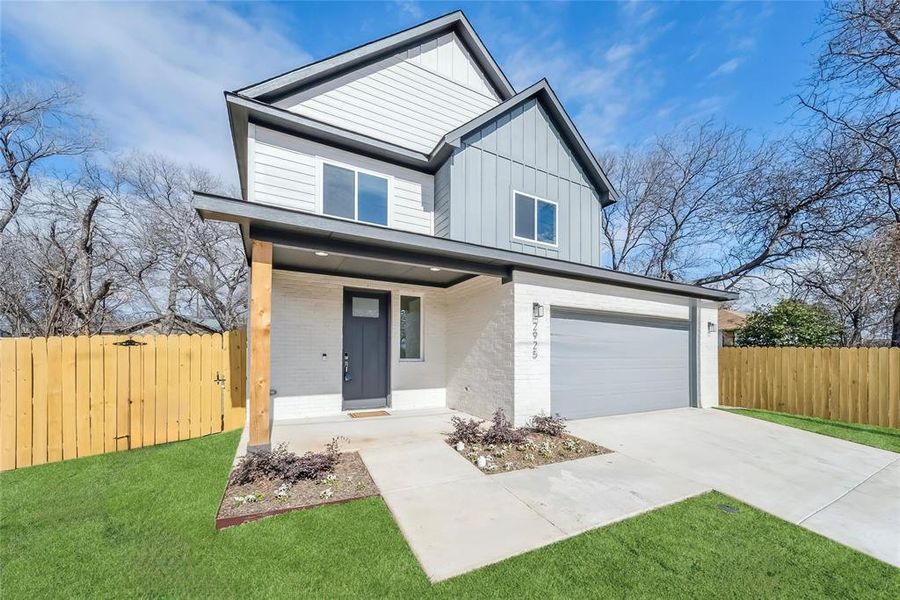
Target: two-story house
pixel 420 234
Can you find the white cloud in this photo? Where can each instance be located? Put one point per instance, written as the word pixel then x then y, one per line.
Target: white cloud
pixel 726 68
pixel 153 74
pixel 409 7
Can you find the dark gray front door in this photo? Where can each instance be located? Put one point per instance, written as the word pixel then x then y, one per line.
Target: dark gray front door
pixel 365 358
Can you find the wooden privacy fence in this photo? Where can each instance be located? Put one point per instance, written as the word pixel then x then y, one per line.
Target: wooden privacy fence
pixel 857 385
pixel 67 397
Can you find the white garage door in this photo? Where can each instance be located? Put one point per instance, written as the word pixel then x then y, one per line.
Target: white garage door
pixel 604 364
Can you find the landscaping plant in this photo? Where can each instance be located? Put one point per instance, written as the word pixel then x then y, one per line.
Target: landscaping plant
pixel 467 431
pixel 501 431
pixel 281 464
pixel 548 424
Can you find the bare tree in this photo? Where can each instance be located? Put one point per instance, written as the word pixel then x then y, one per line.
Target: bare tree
pixel 60 280
pixel 178 264
pixel 35 125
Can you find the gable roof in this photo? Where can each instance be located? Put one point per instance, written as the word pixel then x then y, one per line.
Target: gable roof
pixel 544 94
pixel 253 104
pixel 279 86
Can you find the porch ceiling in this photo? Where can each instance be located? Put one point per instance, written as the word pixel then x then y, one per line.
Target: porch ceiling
pixel 345 265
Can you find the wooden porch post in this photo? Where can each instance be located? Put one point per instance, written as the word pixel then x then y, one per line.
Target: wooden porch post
pixel 260 353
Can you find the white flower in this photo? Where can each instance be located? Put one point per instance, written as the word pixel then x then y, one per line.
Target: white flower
pixel 460 446
pixel 482 461
pixel 326 493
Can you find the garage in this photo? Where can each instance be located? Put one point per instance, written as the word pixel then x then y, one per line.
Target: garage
pixel 610 364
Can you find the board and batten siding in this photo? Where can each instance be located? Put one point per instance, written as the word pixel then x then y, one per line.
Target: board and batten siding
pixel 410 99
pixel 284 171
pixel 520 151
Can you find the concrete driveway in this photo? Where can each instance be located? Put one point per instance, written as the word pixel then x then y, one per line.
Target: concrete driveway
pixel 455 518
pixel 844 491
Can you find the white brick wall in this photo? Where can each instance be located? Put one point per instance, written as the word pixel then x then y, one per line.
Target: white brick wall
pixel 480 347
pixel 307 322
pixel 478 342
pixel 709 353
pixel 532 375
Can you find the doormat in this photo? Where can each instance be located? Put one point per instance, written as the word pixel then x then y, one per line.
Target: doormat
pixel 367 414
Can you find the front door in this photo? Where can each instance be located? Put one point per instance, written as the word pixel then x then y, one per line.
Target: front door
pixel 365 359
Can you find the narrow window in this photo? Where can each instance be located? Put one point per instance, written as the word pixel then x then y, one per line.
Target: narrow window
pixel 410 328
pixel 339 192
pixel 546 222
pixel 524 217
pixel 535 219
pixel 350 194
pixel 373 193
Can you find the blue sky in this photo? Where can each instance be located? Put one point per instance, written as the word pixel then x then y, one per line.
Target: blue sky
pixel 153 74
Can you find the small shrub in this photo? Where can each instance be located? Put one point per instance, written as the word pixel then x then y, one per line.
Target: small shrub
pixel 501 431
pixel 547 424
pixel 467 431
pixel 281 464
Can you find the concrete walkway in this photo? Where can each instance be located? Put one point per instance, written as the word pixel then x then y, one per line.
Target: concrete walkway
pixel 844 491
pixel 456 518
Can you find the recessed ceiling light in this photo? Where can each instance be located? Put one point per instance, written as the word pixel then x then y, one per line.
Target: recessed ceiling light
pixel 320 253
pixel 434 269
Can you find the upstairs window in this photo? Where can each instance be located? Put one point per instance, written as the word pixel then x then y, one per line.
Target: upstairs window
pixel 351 194
pixel 535 219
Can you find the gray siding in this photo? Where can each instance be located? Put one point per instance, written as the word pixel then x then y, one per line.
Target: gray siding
pixel 522 151
pixel 442 201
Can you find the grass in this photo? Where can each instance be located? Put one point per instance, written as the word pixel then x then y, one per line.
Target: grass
pixel 886 438
pixel 140 524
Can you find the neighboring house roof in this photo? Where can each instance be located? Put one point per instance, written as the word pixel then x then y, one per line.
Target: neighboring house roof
pixel 275 87
pixel 317 232
pixel 730 320
pixel 253 104
pixel 180 325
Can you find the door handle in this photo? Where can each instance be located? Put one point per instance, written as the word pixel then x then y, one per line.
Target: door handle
pixel 347 375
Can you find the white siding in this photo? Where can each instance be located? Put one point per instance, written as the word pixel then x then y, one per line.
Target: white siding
pixel 284 171
pixel 307 322
pixel 410 99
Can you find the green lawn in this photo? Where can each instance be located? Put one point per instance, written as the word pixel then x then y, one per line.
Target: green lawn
pixel 140 524
pixel 886 438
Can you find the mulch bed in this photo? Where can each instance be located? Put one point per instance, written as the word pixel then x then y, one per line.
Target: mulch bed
pixel 538 449
pixel 348 481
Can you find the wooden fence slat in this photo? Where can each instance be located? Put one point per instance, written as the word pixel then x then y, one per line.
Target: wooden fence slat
pixel 68 378
pixel 7 404
pixel 884 368
pixel 123 370
pixel 184 387
pixel 206 383
pixel 135 396
pixel 83 395
pixel 162 390
pixel 40 411
pixel 23 402
pixel 217 396
pixel 196 364
pixel 98 396
pixel 894 388
pixel 54 399
pixel 172 390
pixel 110 391
pixel 148 391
